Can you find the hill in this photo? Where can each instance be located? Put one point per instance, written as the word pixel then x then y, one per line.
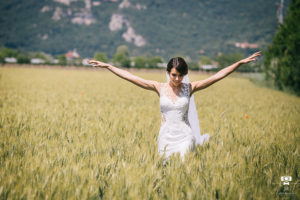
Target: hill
pixel 154 27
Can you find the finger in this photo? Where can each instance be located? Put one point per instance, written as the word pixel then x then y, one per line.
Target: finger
pixel 93 62
pixel 257 53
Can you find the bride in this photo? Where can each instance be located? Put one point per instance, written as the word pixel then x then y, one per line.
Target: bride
pixel 178 131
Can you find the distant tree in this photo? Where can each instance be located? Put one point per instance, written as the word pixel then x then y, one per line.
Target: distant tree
pixel 23 59
pixel 2 60
pixel 204 60
pixel 48 58
pixel 7 52
pixel 40 55
pixel 139 62
pixel 282 57
pixel 122 56
pixel 101 57
pixel 153 61
pixel 179 55
pixel 62 60
pixel 78 62
pixel 122 60
pixel 123 49
pixel 193 66
pixel 226 60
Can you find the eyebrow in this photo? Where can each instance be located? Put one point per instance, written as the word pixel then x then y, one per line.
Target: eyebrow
pixel 175 74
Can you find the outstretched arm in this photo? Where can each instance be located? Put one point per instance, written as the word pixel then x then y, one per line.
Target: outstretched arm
pixel 199 85
pixel 146 84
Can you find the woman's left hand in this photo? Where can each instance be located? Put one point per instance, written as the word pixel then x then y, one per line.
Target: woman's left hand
pixel 250 58
pixel 97 63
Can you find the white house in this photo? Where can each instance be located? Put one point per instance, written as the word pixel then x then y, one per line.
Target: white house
pixel 37 61
pixel 72 55
pixel 208 67
pixel 10 60
pixel 162 65
pixel 85 62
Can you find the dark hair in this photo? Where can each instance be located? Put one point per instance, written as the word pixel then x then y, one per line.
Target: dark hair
pixel 179 64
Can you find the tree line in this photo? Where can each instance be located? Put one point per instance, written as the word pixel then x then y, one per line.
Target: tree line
pixel 282 57
pixel 123 58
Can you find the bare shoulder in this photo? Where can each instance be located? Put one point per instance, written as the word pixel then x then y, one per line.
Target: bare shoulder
pixel 156 86
pixel 192 87
pixel 193 84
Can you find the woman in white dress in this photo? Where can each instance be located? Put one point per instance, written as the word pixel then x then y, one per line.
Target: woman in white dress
pixel 176 133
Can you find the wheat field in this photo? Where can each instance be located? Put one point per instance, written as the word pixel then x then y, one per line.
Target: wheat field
pixel 87 134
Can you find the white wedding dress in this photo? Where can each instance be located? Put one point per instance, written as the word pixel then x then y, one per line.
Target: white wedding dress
pixel 175 133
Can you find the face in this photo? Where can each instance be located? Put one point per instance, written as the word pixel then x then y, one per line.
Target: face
pixel 175 77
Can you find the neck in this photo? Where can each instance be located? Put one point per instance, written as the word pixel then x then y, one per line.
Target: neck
pixel 173 86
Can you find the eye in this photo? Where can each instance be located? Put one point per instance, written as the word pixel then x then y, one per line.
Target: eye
pixel 173 74
pixel 181 75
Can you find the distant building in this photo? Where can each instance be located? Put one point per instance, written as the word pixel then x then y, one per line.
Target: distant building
pixel 10 60
pixel 96 3
pixel 202 51
pixel 85 62
pixel 244 45
pixel 83 18
pixel 37 61
pixel 72 55
pixel 162 65
pixel 208 67
pixel 132 63
pixel 55 61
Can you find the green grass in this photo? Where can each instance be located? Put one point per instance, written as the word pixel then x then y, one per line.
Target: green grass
pixel 76 134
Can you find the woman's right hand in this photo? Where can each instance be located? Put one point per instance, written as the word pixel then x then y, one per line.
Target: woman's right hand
pixel 97 63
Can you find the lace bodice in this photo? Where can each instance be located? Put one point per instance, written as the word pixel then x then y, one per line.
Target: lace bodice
pixel 174 108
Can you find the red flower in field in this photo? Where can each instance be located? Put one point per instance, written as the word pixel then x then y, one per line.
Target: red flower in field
pixel 81 93
pixel 246 116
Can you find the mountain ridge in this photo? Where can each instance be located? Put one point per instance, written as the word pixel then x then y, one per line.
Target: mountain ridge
pixel 157 27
